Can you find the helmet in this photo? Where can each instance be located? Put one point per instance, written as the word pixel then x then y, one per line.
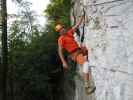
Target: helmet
pixel 58 27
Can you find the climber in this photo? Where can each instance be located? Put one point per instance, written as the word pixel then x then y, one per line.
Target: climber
pixel 66 42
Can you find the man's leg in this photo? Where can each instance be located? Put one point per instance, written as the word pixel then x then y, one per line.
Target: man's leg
pixel 86 68
pixel 87 73
pixel 89 85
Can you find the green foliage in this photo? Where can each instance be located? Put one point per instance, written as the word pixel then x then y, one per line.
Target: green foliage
pixel 34 61
pixel 33 57
pixel 61 9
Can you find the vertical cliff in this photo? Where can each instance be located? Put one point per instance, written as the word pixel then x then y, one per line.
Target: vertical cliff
pixel 109 35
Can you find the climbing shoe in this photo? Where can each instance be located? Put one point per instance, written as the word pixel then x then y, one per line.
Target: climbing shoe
pixel 89 87
pixel 90 90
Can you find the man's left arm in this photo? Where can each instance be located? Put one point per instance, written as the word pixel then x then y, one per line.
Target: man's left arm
pixel 78 23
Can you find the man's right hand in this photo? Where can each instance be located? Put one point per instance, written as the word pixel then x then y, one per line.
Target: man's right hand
pixel 64 63
pixel 65 67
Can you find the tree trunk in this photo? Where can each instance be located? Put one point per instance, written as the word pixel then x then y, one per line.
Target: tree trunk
pixel 11 82
pixel 4 49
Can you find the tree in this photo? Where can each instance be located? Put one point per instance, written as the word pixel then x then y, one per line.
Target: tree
pixel 30 58
pixel 34 70
pixel 4 48
pixel 59 9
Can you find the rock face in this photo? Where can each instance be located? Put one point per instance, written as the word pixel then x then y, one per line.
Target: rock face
pixel 109 35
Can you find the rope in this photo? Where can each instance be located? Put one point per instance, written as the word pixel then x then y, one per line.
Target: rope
pixel 83 29
pixel 82 37
pixel 77 30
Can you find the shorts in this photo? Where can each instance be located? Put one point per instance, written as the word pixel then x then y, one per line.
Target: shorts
pixel 78 57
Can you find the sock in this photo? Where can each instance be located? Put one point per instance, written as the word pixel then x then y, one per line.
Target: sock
pixel 86 67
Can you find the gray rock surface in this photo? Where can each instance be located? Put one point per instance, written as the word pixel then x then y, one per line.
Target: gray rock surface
pixel 109 35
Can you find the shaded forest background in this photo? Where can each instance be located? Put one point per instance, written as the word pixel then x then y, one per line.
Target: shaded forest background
pixel 34 68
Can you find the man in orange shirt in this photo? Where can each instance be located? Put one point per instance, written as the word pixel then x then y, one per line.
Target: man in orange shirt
pixel 66 41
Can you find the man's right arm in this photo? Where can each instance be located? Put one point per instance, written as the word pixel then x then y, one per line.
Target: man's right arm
pixel 60 52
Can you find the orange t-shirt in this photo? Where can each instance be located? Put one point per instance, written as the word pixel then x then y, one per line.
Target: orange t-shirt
pixel 67 41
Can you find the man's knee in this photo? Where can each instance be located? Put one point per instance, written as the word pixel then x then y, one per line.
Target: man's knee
pixel 81 59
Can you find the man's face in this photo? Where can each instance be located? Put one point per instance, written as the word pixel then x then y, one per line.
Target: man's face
pixel 62 31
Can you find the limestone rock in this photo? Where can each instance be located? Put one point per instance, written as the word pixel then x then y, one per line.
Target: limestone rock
pixel 111 46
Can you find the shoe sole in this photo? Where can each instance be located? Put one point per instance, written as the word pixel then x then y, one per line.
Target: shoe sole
pixel 93 90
